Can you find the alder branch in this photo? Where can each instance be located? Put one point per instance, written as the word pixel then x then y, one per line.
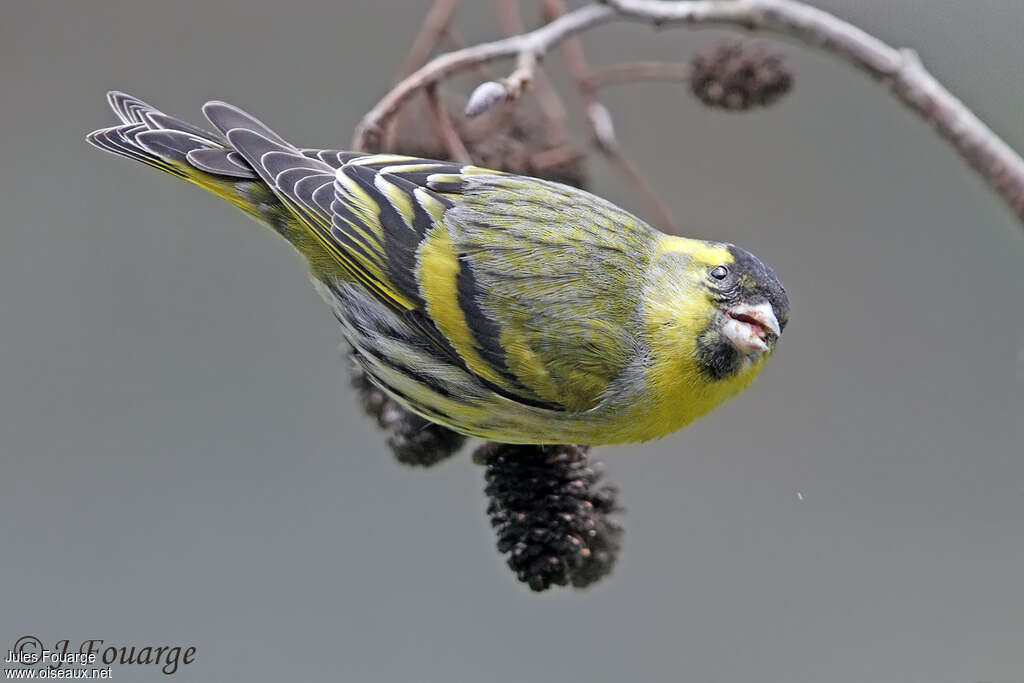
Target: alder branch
pixel 557 156
pixel 511 22
pixel 602 124
pixel 527 47
pixel 899 69
pixel 433 29
pixel 443 127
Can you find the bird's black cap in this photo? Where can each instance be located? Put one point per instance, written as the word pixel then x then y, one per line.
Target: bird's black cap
pixel 759 283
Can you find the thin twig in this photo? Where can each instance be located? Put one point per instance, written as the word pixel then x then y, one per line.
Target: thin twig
pixel 572 47
pixel 536 42
pixel 433 28
pixel 443 127
pixel 453 38
pixel 900 70
pixel 527 68
pixel 509 18
pixel 511 22
pixel 630 72
pixel 600 120
pixel 556 156
pixel 633 176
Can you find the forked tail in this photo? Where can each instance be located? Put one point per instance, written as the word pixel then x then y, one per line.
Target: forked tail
pixel 176 147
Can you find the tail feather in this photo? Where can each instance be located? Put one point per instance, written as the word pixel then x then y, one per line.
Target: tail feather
pixel 220 162
pixel 226 117
pixel 171 144
pixel 174 146
pixel 183 149
pixel 164 142
pixel 158 119
pixel 131 109
pixel 121 140
pixel 127 107
pixel 229 164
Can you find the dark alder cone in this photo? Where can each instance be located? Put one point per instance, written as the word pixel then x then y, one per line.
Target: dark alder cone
pixel 414 440
pixel 552 513
pixel 739 75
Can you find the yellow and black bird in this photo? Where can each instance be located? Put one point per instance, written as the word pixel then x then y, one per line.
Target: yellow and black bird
pixel 501 306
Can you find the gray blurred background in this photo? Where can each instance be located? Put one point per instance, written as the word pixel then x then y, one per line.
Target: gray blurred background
pixel 183 463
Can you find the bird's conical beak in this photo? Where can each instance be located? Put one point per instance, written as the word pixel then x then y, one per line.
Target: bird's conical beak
pixel 748 326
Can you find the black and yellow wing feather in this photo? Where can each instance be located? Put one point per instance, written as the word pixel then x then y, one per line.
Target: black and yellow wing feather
pixel 518 281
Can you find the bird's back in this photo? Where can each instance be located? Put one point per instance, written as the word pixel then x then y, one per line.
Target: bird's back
pixel 529 285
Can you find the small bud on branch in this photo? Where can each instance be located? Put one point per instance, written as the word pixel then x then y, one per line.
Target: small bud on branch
pixel 484 97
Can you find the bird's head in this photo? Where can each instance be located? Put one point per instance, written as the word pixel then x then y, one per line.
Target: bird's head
pixel 731 303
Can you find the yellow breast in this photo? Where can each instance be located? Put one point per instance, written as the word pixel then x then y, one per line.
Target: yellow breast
pixel 678 394
pixel 676 311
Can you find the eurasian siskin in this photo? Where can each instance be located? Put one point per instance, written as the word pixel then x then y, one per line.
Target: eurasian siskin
pixel 501 306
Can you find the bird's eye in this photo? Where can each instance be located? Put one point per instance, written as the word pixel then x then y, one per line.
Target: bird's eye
pixel 719 272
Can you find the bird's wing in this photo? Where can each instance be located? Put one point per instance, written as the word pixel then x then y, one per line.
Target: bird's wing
pixel 371 227
pixel 304 181
pixel 551 279
pixel 535 285
pixel 531 286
